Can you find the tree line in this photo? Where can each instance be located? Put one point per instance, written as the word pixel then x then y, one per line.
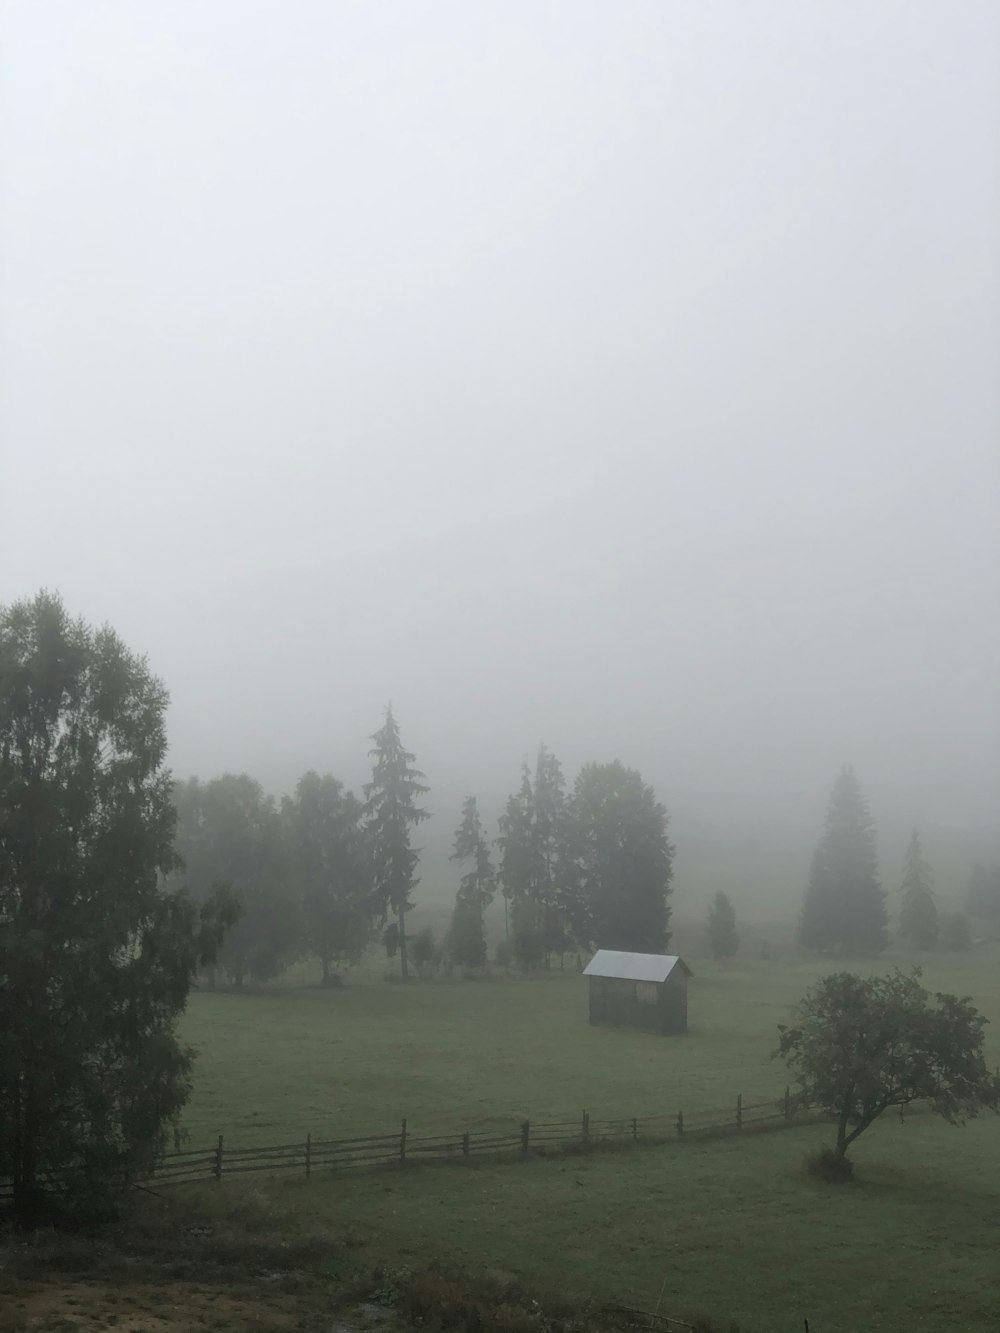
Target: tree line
pixel 322 871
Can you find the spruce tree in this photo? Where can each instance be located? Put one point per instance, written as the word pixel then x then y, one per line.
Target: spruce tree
pixel 390 810
pixel 549 832
pixel 467 937
pixel 720 927
pixel 918 916
pixel 844 907
pixel 519 871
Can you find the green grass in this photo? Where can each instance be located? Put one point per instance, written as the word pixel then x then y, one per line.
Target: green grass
pixel 733 1228
pixel 279 1063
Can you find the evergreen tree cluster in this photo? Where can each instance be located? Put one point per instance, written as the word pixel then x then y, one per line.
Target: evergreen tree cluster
pixel 590 867
pixel 844 908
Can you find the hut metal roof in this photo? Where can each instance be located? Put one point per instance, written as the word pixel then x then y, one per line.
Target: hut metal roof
pixel 634 966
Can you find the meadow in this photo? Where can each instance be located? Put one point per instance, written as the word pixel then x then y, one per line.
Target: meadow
pixel 731 1228
pixel 277 1063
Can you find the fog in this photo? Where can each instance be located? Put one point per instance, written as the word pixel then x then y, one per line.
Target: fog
pixel 622 377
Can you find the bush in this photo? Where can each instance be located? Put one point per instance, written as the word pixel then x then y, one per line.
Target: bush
pixel 424 949
pixel 826 1165
pixel 504 954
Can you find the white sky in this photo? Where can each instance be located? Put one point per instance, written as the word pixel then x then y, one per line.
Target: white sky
pixel 618 375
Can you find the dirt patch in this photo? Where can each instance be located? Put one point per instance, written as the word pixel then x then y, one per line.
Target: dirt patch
pixel 175 1307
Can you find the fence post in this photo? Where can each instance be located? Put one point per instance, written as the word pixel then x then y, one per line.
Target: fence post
pixel 465 1144
pixel 680 1123
pixel 586 1127
pixel 739 1111
pixel 788 1103
pixel 525 1131
pixel 402 1144
pixel 635 1128
pixel 217 1168
pixel 309 1138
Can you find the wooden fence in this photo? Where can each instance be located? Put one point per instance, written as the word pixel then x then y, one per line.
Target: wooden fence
pixel 403 1146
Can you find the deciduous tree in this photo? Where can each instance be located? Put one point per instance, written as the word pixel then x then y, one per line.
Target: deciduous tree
pixel 623 860
pixel 326 847
pixel 861 1045
pixel 391 810
pixel 96 956
pixel 230 832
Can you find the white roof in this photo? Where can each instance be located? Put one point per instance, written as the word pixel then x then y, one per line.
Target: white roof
pixel 633 966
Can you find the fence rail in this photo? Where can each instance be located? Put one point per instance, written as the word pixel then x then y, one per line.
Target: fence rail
pixel 528 1138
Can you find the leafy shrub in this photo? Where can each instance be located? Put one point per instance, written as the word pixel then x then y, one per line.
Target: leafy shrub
pixel 826 1165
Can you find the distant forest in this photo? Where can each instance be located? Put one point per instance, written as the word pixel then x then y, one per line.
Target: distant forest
pixel 326 873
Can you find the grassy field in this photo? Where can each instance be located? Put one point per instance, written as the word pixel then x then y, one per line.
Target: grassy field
pixel 733 1228
pixel 281 1062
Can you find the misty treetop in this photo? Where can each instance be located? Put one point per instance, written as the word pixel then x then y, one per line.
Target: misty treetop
pixel 844 905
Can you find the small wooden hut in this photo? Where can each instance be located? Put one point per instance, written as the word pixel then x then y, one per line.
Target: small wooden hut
pixel 638 990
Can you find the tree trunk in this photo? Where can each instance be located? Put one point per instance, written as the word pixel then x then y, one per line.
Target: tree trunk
pixel 401 918
pixel 326 970
pixel 27 1195
pixel 841 1148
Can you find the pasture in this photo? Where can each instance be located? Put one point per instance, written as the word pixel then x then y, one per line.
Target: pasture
pixel 732 1228
pixel 281 1062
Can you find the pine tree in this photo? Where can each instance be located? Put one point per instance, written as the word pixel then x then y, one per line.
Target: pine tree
pixel 549 830
pixel 844 907
pixel 230 832
pixel 918 917
pixel 390 808
pixel 518 859
pixel 723 937
pixel 467 936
